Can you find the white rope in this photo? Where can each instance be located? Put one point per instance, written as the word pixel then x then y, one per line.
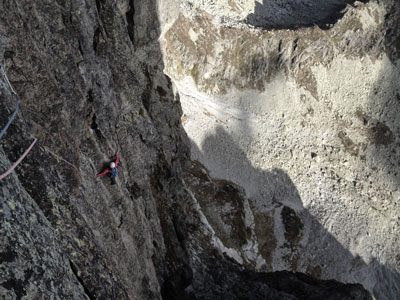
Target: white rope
pixel 8 82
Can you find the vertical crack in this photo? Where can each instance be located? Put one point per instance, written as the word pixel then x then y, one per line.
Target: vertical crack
pixel 130 14
pixel 77 275
pixel 98 6
pixel 96 39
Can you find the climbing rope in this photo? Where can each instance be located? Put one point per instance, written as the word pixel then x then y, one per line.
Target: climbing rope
pixel 18 106
pixel 18 161
pixel 58 157
pixel 3 131
pixel 8 82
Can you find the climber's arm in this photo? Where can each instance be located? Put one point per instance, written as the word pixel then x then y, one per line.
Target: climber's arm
pixel 117 160
pixel 103 173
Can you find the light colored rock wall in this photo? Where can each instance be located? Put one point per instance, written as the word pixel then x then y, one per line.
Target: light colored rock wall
pixel 305 119
pixel 89 74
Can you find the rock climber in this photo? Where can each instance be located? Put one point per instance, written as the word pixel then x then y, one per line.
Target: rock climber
pixel 112 169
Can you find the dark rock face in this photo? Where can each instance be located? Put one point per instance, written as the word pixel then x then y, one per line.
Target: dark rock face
pixel 299 13
pixel 88 94
pixel 90 78
pixel 32 263
pixel 225 280
pixel 222 202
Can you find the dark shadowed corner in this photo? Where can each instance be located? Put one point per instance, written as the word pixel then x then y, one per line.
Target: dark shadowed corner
pixel 294 14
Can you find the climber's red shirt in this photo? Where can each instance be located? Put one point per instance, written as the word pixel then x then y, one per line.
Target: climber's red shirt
pixel 108 169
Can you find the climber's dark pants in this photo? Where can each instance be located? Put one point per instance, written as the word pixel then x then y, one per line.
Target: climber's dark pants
pixel 113 181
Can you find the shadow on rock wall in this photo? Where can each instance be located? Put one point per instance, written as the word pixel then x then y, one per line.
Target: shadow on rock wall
pixel 289 14
pixel 382 119
pixel 289 237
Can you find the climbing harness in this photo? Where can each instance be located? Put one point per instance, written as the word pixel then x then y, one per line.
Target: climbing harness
pixel 3 131
pixel 18 161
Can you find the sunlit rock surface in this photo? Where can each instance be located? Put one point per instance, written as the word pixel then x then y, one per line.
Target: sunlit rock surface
pixel 91 82
pixel 305 119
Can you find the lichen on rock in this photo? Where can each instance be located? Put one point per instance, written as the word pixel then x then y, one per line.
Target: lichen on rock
pixel 91 80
